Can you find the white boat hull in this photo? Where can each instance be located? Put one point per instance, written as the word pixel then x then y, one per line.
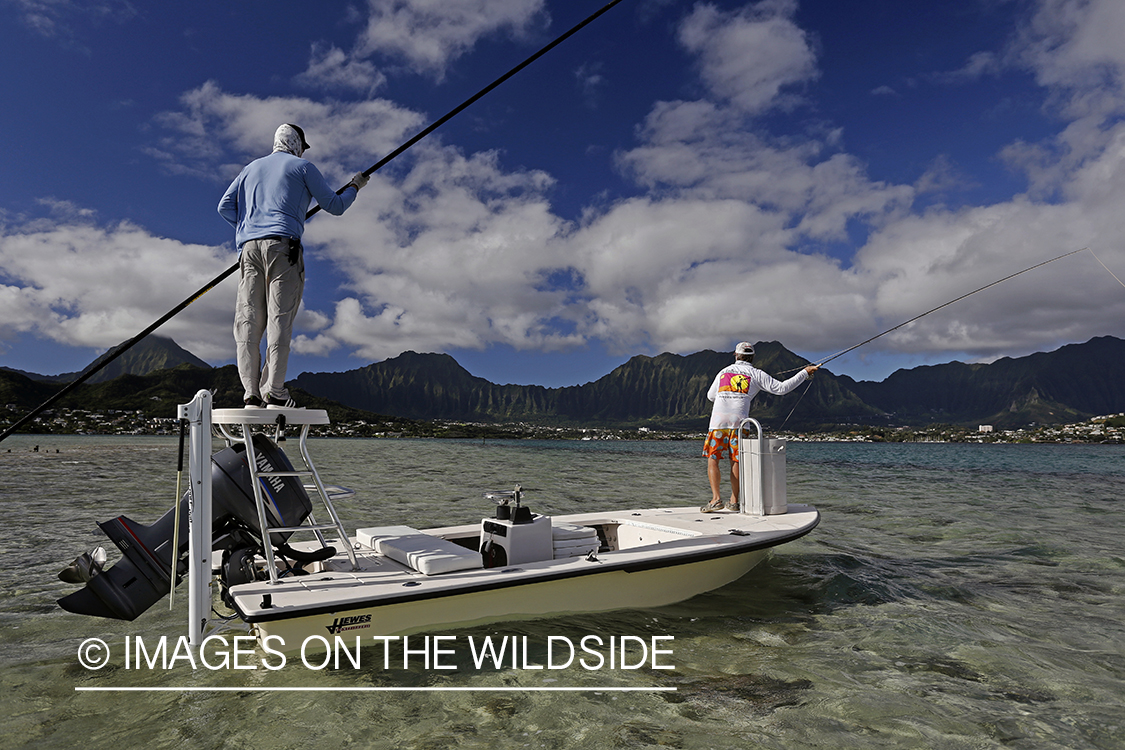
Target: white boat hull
pixel 675 554
pixel 248 500
pixel 599 593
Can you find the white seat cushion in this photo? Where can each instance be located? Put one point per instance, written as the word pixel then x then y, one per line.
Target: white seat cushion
pixel 566 531
pixel 429 555
pixel 368 536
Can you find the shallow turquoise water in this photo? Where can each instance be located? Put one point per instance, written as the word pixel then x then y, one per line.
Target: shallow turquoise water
pixel 954 596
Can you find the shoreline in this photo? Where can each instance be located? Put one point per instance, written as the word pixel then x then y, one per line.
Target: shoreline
pixel 1098 430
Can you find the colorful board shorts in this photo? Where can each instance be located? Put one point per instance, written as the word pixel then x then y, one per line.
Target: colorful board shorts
pixel 721 444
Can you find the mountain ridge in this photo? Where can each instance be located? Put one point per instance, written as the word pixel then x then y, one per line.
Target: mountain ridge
pixel 669 390
pixel 665 391
pixel 147 355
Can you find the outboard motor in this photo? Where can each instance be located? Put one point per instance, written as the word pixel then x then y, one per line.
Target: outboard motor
pixel 143 575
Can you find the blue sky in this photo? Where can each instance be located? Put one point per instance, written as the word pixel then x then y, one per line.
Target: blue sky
pixel 678 176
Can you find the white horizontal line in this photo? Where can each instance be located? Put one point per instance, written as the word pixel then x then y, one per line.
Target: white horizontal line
pixel 373 689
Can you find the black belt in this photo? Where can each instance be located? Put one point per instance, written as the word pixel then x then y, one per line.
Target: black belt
pixel 294 245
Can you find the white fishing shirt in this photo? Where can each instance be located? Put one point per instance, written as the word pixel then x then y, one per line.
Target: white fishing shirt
pixel 736 386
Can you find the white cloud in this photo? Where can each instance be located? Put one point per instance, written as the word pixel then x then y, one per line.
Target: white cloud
pixel 429 35
pixel 590 81
pixel 694 288
pixel 417 35
pixel 979 65
pixel 727 241
pixel 455 257
pixel 331 67
pixel 72 281
pixel 1076 45
pixel 684 274
pixel 219 128
pixel 1076 187
pixel 750 55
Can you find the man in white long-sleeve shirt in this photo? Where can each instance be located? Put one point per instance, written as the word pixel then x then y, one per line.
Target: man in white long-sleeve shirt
pixel 732 391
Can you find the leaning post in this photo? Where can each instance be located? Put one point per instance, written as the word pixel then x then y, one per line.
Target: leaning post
pixel 761 474
pixel 750 488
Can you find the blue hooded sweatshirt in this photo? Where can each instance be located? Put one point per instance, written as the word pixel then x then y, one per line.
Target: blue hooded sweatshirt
pixel 271 195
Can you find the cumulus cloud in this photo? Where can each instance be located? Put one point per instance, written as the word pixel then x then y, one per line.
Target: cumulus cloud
pixel 428 36
pixel 1075 46
pixel 979 65
pixel 730 233
pixel 1076 186
pixel 68 279
pixel 217 128
pixel 683 274
pixel 457 257
pixel 698 149
pixel 331 67
pixel 750 56
pixel 803 192
pixel 418 36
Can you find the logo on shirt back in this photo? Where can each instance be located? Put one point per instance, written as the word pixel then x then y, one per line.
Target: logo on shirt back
pixel 734 383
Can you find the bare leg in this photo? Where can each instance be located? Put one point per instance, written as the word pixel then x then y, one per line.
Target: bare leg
pixel 734 482
pixel 713 478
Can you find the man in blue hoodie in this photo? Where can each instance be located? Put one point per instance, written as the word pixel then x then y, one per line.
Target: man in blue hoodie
pixel 266 204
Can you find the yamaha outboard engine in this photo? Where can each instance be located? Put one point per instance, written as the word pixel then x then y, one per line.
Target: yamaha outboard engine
pixel 143 575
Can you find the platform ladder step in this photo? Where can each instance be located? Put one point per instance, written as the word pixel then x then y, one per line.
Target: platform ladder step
pixel 310 523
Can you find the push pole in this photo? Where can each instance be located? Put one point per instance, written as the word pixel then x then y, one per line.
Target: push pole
pixel 198 415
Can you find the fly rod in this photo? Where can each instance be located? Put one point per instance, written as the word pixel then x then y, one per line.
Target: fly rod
pixel 947 304
pixel 368 172
pixel 917 317
pixel 822 362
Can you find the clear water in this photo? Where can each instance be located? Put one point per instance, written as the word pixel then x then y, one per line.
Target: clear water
pixel 954 596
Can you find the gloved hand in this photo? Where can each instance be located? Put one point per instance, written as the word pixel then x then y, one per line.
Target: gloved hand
pixel 359 180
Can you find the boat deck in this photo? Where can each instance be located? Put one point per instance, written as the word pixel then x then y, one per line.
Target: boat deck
pixel 631 541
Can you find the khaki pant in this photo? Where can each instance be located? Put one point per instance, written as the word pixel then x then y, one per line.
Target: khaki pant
pixel 269 295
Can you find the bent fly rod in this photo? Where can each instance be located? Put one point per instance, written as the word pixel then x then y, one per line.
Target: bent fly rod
pixel 114 354
pixel 947 304
pixel 822 362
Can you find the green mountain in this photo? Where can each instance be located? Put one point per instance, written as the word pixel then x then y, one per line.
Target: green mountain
pixel 1069 384
pixel 666 391
pixel 150 354
pixel 156 394
pixel 669 390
